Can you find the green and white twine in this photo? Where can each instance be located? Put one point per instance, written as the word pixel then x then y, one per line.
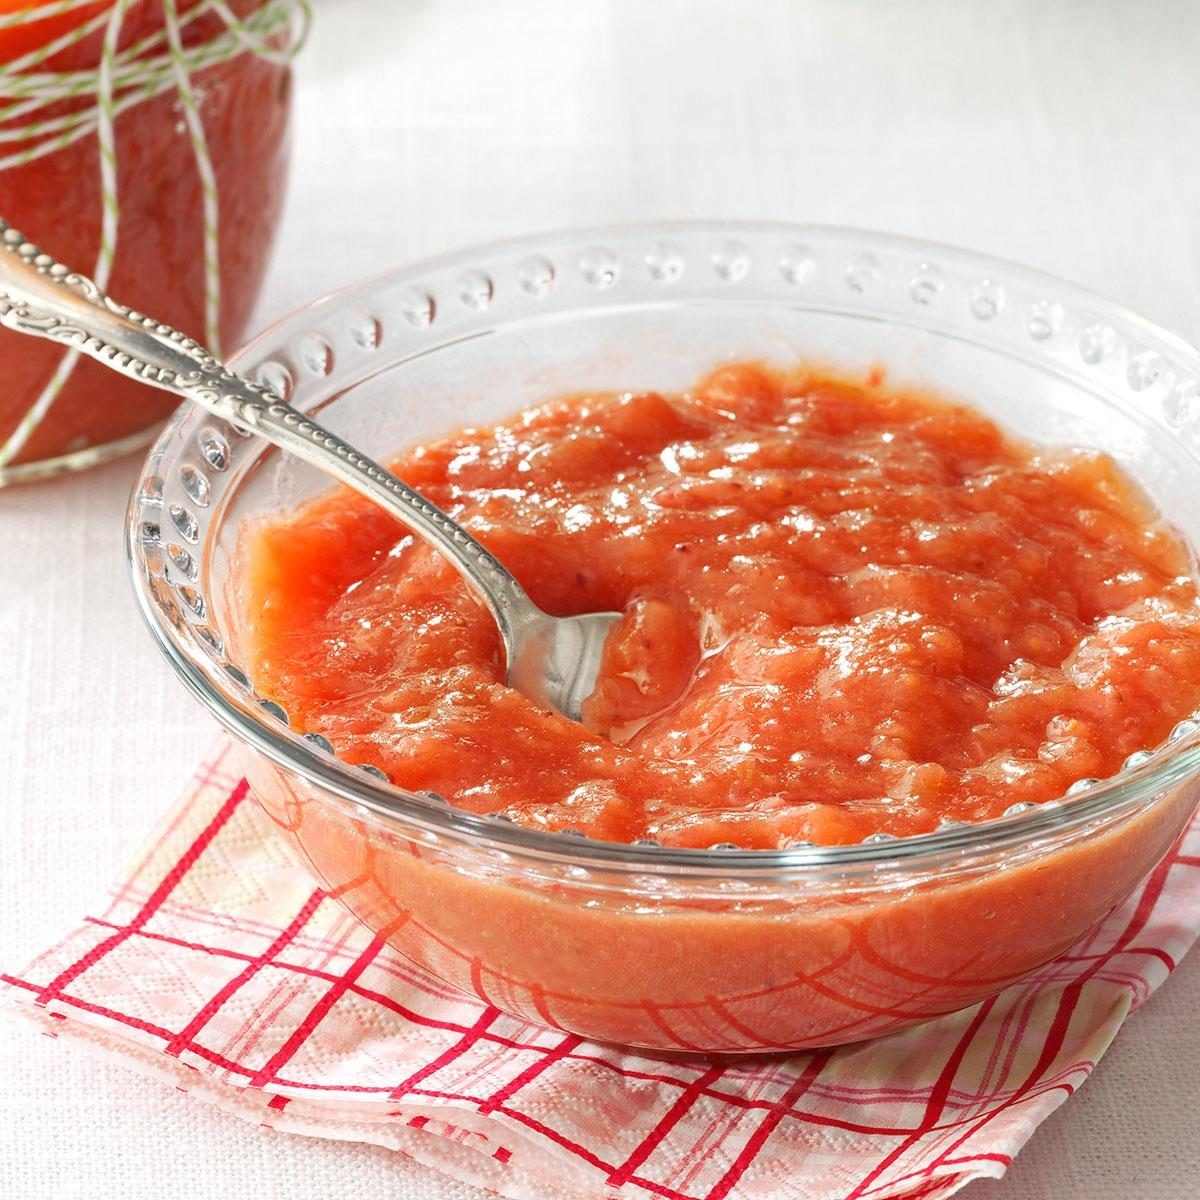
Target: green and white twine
pixel 156 63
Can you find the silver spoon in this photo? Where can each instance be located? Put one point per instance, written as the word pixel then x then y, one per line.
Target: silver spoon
pixel 552 660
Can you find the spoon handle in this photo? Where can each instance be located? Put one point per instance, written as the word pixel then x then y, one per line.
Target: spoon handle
pixel 41 297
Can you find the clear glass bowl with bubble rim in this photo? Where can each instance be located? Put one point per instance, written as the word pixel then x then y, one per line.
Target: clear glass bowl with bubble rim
pixel 717 951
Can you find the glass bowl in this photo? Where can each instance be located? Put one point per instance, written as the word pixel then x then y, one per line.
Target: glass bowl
pixel 713 951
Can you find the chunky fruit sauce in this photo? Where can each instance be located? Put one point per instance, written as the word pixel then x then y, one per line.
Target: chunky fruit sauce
pixel 850 609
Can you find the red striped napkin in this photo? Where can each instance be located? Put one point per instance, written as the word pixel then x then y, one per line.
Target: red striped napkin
pixel 216 965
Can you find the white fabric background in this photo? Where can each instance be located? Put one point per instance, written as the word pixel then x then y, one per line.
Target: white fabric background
pixel 1062 135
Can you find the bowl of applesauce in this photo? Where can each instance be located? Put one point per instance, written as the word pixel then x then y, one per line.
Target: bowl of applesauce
pixel 903 700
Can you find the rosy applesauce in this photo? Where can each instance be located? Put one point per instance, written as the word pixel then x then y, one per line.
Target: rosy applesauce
pixel 849 610
pixel 58 199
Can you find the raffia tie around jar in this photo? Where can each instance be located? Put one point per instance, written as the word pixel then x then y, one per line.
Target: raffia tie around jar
pixel 151 53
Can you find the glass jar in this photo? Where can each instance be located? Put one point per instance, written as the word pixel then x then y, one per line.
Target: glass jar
pixel 145 142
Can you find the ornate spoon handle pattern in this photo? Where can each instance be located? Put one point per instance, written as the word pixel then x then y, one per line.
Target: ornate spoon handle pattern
pixel 40 296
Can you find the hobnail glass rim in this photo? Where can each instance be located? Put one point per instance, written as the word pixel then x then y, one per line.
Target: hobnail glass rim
pixel 1098 802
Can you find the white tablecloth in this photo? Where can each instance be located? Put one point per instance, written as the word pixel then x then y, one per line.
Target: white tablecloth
pixel 1063 135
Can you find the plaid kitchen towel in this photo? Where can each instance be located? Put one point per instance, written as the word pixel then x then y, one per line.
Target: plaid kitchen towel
pixel 218 966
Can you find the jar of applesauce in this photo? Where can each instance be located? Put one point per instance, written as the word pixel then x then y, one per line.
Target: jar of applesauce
pixel 143 142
